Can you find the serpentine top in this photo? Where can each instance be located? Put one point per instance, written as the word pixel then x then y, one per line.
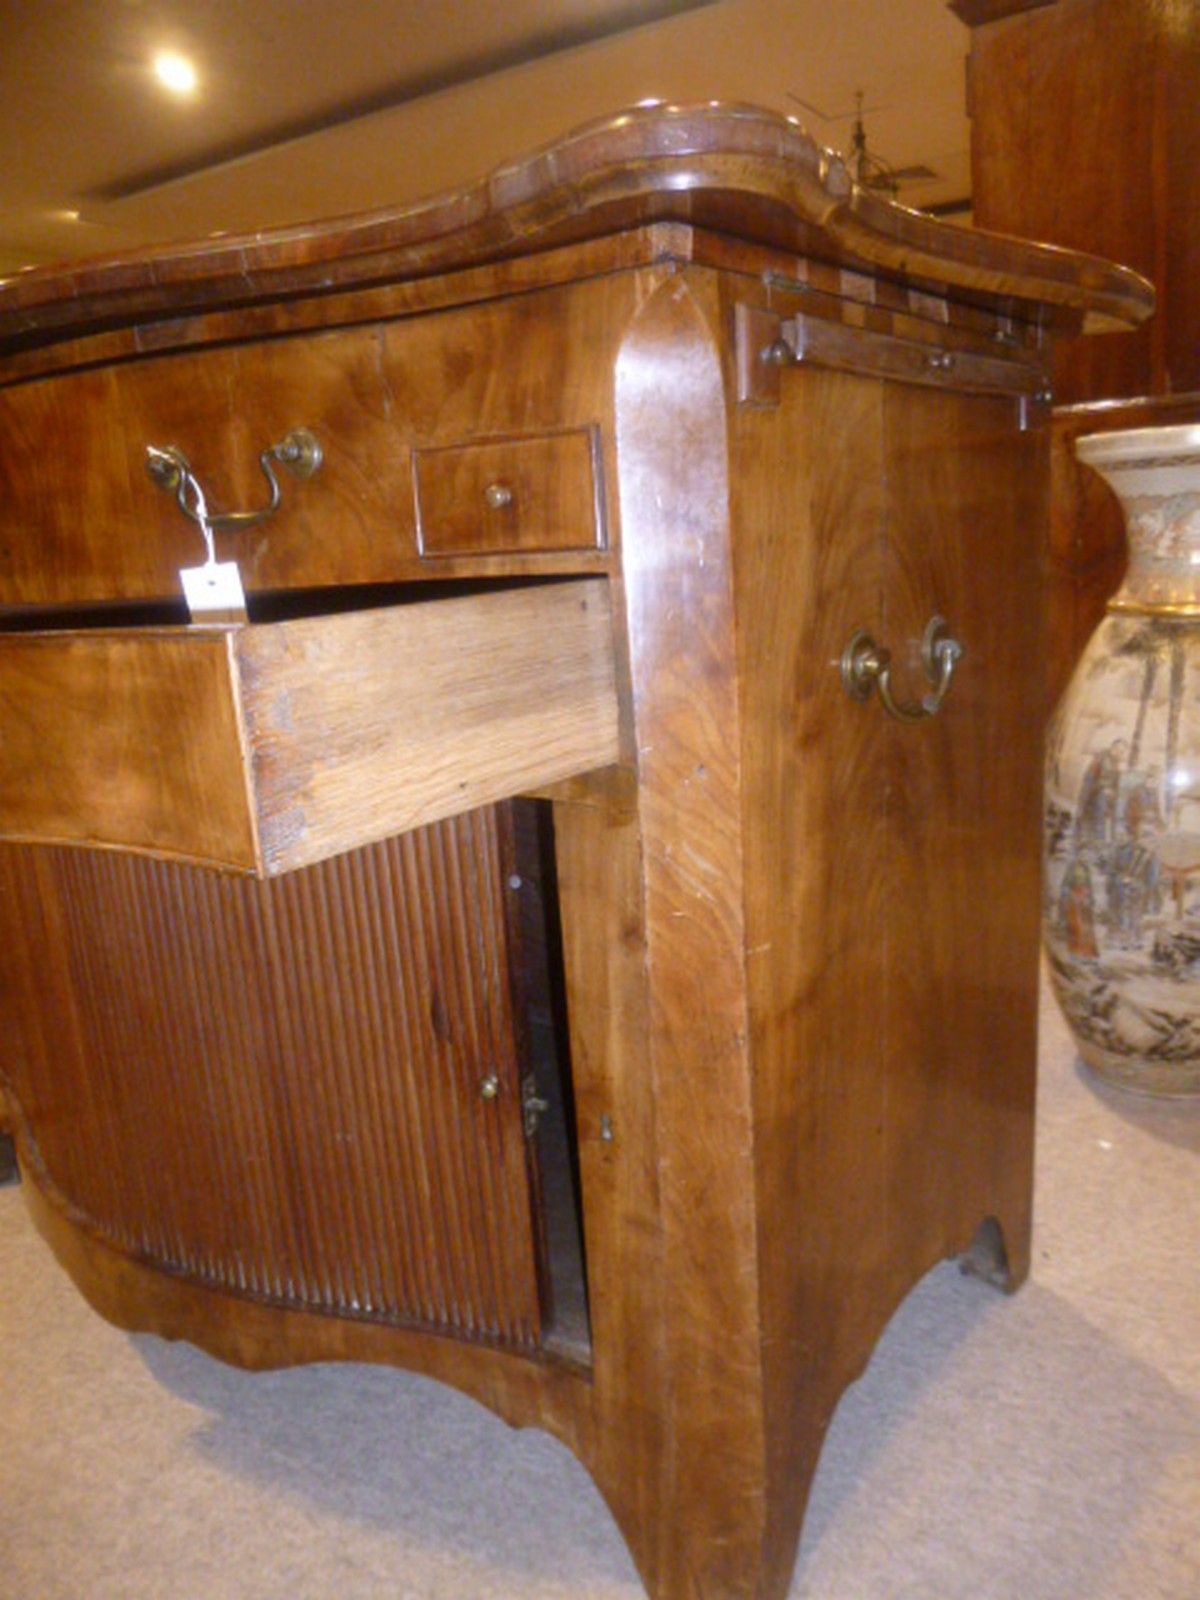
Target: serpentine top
pixel 746 173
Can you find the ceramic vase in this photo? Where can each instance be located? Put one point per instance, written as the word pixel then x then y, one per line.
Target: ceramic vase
pixel 1122 838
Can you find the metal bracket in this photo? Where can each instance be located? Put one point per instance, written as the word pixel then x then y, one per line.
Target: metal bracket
pixel 532 1105
pixel 768 343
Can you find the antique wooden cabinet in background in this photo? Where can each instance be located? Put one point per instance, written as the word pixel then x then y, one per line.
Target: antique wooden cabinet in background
pixel 1085 132
pixel 577 935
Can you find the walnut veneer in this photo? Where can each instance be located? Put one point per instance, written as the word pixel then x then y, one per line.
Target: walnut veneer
pixel 600 1008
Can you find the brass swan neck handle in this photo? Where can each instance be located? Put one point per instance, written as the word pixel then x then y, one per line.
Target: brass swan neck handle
pixel 298 451
pixel 866 665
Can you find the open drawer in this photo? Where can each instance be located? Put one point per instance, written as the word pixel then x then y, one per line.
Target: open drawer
pixel 264 747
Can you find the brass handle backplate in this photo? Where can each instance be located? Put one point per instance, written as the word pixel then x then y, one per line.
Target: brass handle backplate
pixel 168 467
pixel 866 666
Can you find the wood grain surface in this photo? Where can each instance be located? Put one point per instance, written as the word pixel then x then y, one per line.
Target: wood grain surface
pixel 86 525
pixel 265 748
pixel 877 961
pixel 736 169
pixel 128 741
pixel 1113 81
pixel 679 604
pixel 976 12
pixel 501 495
pixel 368 724
pixel 1110 81
pixel 290 1112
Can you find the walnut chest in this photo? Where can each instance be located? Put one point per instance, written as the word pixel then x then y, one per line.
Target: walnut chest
pixel 554 904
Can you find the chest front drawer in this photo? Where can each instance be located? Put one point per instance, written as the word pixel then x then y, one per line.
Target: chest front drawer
pixel 416 418
pixel 267 747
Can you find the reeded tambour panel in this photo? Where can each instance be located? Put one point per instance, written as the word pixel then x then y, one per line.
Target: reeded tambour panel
pixel 273 1088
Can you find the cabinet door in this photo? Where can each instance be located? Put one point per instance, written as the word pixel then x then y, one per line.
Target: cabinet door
pixel 304 1091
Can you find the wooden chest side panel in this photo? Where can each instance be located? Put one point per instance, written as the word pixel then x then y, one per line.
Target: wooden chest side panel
pixel 969 518
pixel 809 571
pixel 891 870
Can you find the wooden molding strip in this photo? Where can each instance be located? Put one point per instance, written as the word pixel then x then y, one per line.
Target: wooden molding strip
pixel 748 173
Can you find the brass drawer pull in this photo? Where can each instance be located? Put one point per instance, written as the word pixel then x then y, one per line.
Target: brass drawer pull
pixel 498 497
pixel 865 666
pixel 168 467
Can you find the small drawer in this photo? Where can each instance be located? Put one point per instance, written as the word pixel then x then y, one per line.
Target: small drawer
pixel 266 747
pixel 509 496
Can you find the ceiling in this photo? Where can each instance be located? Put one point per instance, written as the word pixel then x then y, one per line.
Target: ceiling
pixel 306 108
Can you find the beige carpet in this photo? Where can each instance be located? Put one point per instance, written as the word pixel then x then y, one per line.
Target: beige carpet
pixel 1039 1447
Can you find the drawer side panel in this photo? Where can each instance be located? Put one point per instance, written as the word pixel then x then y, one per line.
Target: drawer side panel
pixel 370 724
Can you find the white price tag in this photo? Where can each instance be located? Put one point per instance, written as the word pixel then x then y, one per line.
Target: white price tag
pixel 216 586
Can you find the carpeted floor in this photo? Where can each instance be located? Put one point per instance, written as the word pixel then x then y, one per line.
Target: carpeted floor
pixel 1040 1447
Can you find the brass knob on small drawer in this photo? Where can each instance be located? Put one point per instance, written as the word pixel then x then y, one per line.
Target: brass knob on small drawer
pixel 497 497
pixel 489 1087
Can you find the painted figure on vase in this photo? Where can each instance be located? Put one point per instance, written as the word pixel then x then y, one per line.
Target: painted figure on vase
pixel 1122 830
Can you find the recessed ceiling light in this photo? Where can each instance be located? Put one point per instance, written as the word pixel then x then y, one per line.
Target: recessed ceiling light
pixel 175 72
